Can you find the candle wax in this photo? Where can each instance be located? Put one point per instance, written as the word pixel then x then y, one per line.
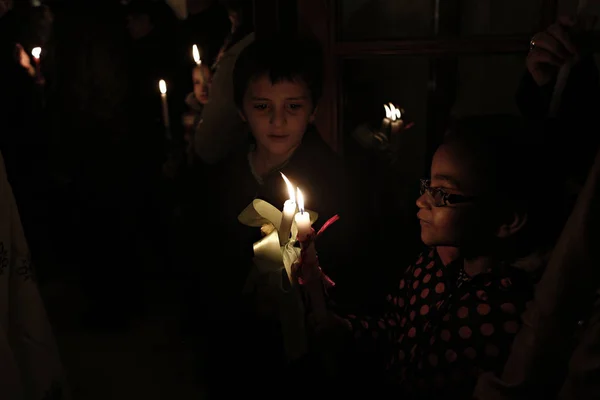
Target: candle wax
pixel 385 126
pixel 165 110
pixel 289 208
pixel 396 126
pixel 303 224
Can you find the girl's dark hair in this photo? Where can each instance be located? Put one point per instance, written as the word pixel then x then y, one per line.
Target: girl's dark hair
pixel 281 58
pixel 517 176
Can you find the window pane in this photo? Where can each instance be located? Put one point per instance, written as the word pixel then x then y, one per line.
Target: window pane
pixel 403 81
pixel 487 84
pixel 497 17
pixel 385 19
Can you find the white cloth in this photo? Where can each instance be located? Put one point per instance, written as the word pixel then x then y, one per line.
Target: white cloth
pixel 563 308
pixel 221 129
pixel 30 367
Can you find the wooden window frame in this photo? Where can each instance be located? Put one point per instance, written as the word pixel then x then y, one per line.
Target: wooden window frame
pixel 319 17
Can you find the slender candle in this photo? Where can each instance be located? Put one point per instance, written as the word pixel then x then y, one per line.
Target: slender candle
pixel 36 52
pixel 162 86
pixel 396 120
pixel 289 209
pixel 302 218
pixel 386 122
pixel 196 55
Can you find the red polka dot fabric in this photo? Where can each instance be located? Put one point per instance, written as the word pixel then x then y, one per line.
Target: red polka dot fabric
pixel 444 328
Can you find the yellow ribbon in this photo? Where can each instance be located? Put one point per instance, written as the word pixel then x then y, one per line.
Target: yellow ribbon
pixel 270 259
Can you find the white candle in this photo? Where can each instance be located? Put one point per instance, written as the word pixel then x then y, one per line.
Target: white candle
pixel 196 55
pixel 36 52
pixel 387 122
pixel 289 209
pixel 302 219
pixel 392 123
pixel 162 86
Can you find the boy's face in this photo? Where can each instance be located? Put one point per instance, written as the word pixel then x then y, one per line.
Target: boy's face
pixel 201 79
pixel 459 224
pixel 278 114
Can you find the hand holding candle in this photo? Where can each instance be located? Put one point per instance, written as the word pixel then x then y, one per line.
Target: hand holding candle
pixel 392 123
pixel 309 263
pixel 289 209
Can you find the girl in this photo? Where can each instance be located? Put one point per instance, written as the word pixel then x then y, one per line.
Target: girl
pixel 455 311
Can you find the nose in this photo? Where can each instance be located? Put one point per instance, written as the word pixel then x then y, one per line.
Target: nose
pixel 278 119
pixel 424 201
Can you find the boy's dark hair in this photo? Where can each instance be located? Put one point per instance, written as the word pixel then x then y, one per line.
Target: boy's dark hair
pixel 280 58
pixel 518 178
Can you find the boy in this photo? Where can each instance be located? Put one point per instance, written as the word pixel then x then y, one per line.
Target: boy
pixel 277 84
pixel 455 311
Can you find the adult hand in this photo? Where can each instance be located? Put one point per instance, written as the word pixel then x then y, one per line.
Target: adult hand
pixel 551 49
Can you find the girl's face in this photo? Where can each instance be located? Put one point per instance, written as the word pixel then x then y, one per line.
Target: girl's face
pixel 449 211
pixel 201 79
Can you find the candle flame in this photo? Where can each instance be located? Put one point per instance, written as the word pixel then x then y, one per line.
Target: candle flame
pixel 391 112
pixel 290 188
pixel 36 52
pixel 196 55
pixel 300 198
pixel 162 86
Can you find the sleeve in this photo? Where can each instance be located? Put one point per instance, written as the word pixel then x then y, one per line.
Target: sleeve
pixel 29 329
pixel 376 333
pixel 220 128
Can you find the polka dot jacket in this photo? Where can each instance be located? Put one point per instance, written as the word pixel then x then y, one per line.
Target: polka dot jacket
pixel 442 328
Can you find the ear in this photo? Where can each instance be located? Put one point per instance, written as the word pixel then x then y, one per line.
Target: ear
pixel 311 119
pixel 512 226
pixel 242 116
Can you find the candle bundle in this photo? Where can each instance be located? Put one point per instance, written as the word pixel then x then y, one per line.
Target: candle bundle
pixel 307 270
pixel 285 267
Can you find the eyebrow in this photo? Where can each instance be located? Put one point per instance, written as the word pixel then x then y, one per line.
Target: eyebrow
pixel 448 179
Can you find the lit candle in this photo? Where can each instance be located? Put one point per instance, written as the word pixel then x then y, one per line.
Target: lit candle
pixel 162 86
pixel 196 55
pixel 387 122
pixel 302 219
pixel 36 52
pixel 392 123
pixel 289 209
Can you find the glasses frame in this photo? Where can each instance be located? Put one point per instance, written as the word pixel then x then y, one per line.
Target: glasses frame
pixel 446 198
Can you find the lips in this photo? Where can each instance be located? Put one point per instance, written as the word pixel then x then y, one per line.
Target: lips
pixel 278 137
pixel 423 220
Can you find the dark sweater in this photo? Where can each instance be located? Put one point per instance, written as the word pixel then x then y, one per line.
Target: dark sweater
pixel 316 170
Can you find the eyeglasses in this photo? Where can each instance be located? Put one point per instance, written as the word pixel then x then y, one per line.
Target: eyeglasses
pixel 440 197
